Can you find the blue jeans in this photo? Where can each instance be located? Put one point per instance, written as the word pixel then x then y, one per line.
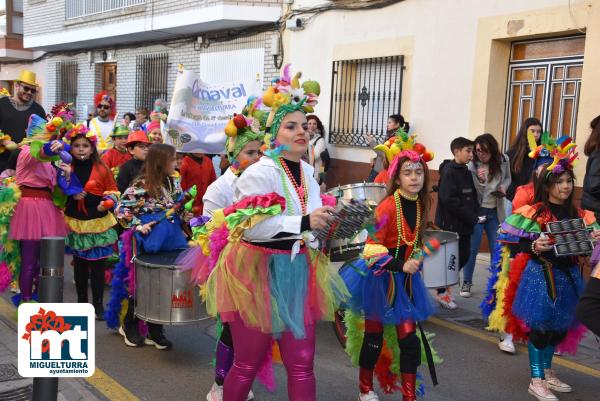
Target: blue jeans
pixel 491 227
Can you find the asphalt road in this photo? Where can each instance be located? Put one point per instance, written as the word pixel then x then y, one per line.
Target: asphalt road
pixel 473 368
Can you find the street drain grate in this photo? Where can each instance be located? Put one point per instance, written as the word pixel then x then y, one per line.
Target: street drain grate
pixel 8 372
pixel 475 323
pixel 18 394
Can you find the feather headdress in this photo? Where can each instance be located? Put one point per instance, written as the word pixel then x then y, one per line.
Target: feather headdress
pixel 403 145
pixel 286 95
pixel 560 153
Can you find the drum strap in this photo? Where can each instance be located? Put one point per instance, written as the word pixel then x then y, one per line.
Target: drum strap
pixel 428 355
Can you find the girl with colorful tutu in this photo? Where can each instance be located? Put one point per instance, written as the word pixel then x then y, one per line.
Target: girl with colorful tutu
pixel 386 287
pixel 537 291
pixel 36 215
pixel 150 207
pixel 92 194
pixel 270 281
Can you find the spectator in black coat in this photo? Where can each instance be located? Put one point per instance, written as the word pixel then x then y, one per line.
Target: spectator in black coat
pixel 590 199
pixel 521 166
pixel 457 204
pixel 588 309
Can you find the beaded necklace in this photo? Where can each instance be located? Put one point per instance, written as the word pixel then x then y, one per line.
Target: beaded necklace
pixel 402 226
pixel 300 190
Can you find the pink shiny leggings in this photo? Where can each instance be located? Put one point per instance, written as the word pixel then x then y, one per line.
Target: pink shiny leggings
pixel 252 345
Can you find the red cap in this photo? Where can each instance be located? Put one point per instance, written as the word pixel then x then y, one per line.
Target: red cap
pixel 138 136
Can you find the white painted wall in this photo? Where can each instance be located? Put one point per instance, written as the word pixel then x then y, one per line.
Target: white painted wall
pixel 9 72
pixel 438 79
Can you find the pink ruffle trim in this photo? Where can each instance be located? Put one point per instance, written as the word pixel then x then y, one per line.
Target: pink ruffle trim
pixel 252 202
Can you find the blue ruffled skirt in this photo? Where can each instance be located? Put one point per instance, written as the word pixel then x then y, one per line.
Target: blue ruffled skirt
pixel 535 307
pixel 385 296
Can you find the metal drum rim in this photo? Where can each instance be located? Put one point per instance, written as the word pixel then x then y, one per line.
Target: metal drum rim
pixel 357 185
pixel 444 241
pixel 141 263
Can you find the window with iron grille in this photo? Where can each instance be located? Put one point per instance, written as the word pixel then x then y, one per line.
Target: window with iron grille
pixel 151 81
pixel 66 82
pixel 364 94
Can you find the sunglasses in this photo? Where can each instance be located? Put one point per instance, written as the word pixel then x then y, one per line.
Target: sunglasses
pixel 103 106
pixel 29 89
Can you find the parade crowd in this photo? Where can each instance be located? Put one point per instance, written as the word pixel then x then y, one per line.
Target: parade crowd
pixel 245 229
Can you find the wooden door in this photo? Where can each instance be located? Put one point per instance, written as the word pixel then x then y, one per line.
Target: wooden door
pixel 109 79
pixel 544 82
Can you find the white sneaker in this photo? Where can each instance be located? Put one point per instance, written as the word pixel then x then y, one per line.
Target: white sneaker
pixel 216 394
pixel 446 300
pixel 507 345
pixel 554 382
pixel 370 396
pixel 465 290
pixel 539 389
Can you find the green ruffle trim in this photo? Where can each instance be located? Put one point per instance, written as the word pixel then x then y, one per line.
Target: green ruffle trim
pixel 240 215
pixel 355 334
pixel 10 253
pixel 59 198
pixel 35 149
pixel 523 223
pixel 83 242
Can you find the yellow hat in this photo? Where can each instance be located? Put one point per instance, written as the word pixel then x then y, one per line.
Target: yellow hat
pixel 27 77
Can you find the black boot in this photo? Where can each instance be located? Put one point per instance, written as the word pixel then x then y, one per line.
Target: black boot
pixel 99 310
pixel 156 337
pixel 129 329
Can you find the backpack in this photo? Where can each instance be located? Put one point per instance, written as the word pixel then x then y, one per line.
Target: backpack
pixel 325 157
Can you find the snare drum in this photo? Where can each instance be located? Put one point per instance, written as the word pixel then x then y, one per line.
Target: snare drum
pixel 441 268
pixel 165 294
pixel 346 249
pixel 372 192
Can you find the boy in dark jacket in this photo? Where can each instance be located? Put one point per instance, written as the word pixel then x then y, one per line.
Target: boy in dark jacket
pixel 457 205
pixel 137 145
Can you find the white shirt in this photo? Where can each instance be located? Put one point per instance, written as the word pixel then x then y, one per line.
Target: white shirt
pixel 103 130
pixel 220 193
pixel 316 146
pixel 265 177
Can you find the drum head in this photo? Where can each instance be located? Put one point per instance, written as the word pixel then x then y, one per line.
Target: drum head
pixel 159 259
pixel 442 236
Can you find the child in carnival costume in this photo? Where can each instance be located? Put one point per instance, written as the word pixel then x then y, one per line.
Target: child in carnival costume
pixel 243 149
pixel 535 293
pixel 150 210
pixel 91 195
pixel 118 155
pixel 270 281
pixel 36 214
pixel 388 294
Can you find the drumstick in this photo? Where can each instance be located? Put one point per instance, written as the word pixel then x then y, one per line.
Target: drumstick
pixel 429 248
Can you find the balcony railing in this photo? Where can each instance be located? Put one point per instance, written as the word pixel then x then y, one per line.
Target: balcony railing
pixel 84 8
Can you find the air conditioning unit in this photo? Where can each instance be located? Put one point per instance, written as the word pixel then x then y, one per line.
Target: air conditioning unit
pixel 295 24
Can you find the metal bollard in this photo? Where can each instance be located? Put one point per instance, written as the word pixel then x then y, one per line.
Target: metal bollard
pixel 52 262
